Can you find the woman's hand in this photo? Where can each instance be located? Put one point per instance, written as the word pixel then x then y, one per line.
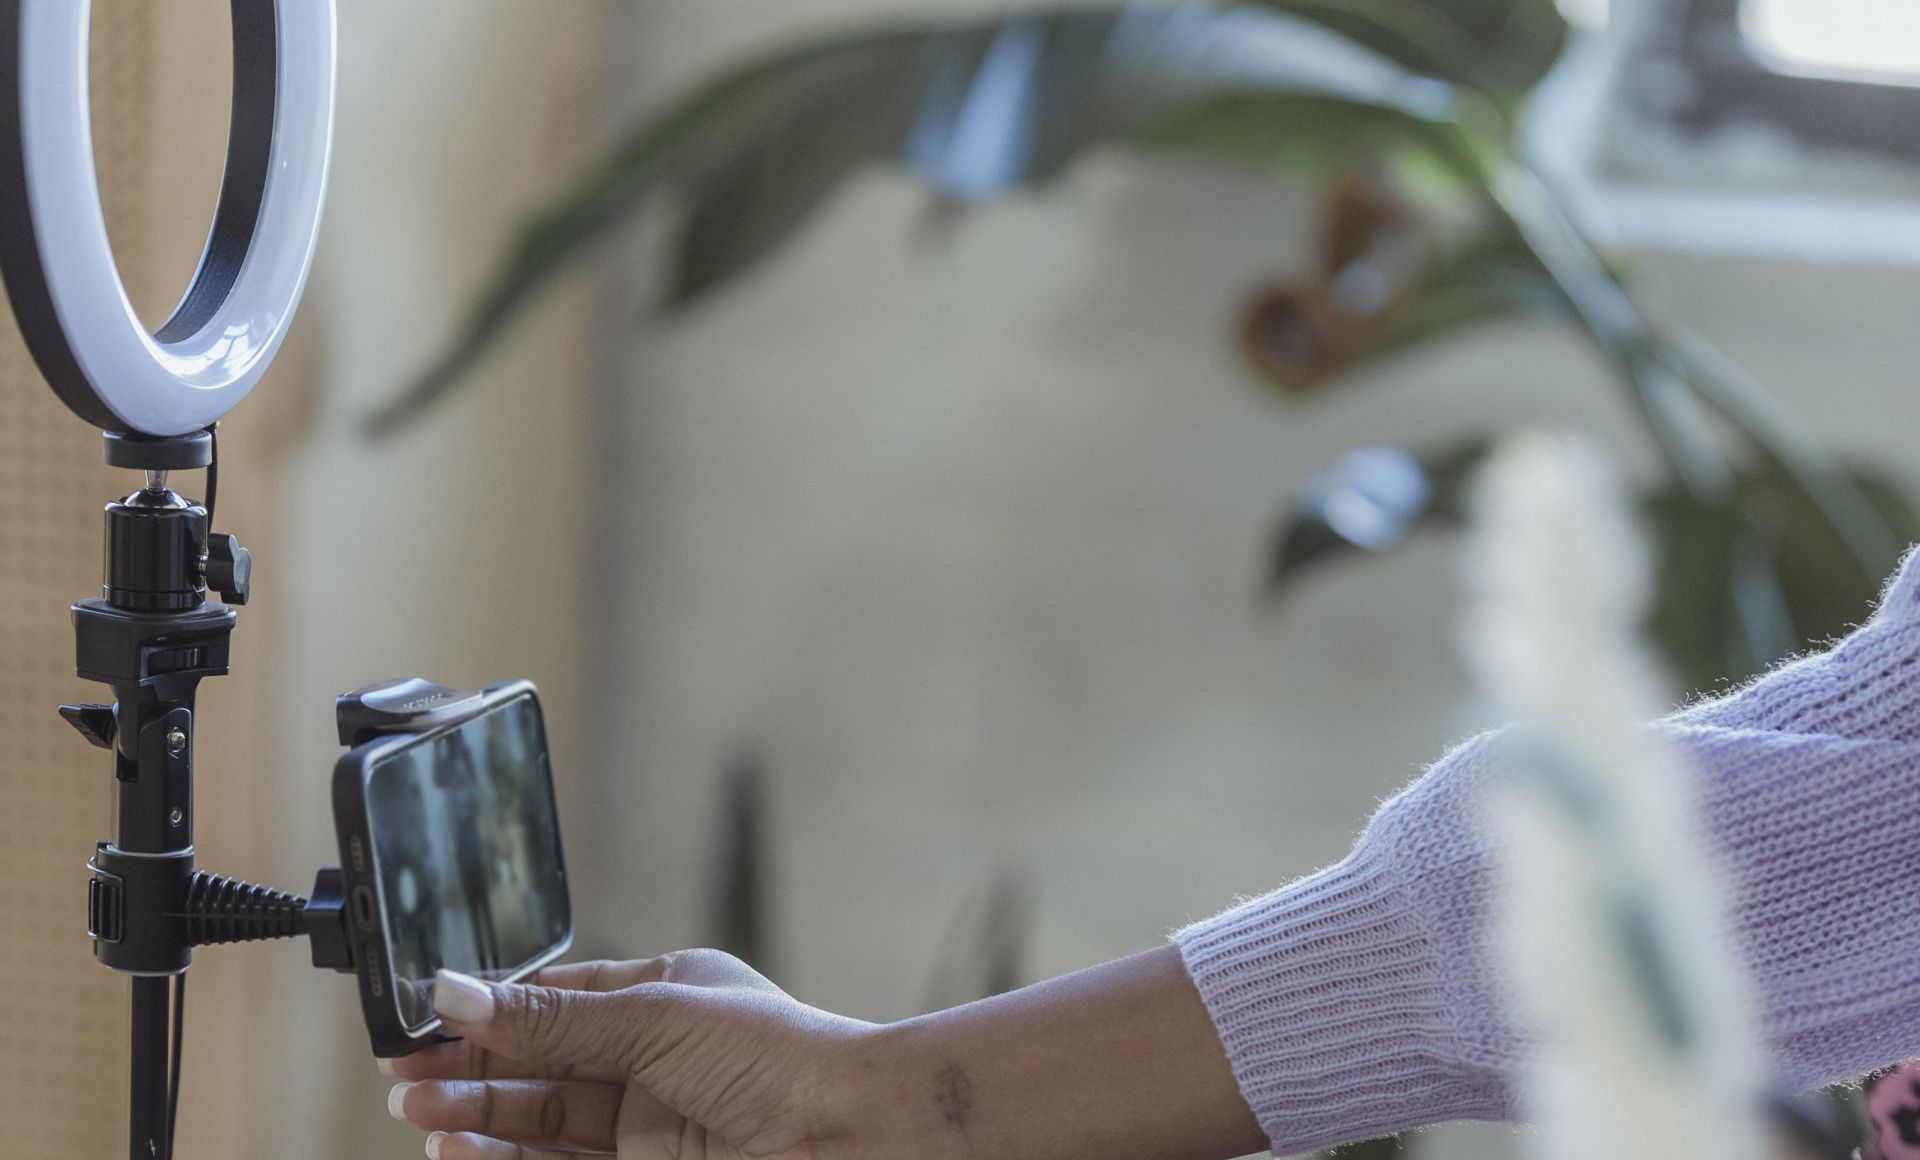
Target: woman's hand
pixel 694 1056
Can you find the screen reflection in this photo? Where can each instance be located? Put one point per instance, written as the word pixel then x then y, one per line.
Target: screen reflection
pixel 467 853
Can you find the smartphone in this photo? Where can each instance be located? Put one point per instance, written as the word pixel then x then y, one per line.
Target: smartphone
pixel 450 856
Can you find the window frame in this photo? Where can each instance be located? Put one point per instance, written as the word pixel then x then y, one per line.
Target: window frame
pixel 1731 86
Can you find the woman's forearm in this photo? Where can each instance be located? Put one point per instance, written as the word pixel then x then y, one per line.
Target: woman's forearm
pixel 1120 1062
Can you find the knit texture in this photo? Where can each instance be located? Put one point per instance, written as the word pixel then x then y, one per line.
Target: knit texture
pixel 1366 998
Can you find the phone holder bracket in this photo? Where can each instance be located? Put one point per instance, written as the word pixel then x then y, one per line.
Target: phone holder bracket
pixel 407 706
pixel 327 924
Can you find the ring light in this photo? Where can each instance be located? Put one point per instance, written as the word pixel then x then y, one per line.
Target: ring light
pixel 54 251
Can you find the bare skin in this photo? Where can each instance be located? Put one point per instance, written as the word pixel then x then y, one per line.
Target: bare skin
pixel 694 1056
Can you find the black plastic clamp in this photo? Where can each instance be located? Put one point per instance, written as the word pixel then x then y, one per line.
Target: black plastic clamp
pixel 125 884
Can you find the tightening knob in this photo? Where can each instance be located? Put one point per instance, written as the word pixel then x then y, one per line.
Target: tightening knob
pixel 229 568
pixel 96 723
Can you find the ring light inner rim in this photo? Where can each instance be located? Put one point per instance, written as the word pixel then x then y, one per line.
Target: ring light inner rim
pixel 243 185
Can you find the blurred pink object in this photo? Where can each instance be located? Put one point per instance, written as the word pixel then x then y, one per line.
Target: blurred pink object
pixel 1893 1103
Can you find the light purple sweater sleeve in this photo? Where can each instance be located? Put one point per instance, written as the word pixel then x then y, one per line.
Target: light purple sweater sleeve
pixel 1364 999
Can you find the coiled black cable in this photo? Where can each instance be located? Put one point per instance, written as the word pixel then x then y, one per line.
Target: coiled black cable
pixel 227 910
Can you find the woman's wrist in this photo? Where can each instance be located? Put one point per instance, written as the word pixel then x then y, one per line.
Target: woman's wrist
pixel 878 1103
pixel 1119 1062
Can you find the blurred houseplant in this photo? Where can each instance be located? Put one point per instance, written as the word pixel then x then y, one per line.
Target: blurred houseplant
pixel 1403 113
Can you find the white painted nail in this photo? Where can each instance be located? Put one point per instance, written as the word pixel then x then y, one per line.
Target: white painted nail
pixel 461 998
pixel 433 1144
pixel 395 1101
pixel 386 1068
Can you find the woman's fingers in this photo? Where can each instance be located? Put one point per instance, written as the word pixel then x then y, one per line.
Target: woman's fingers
pixel 565 1023
pixel 570 1115
pixel 466 1146
pixel 618 1031
pixel 603 975
pixel 465 1059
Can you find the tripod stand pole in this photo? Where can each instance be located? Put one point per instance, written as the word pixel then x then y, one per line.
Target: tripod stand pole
pixel 152 637
pixel 148 1133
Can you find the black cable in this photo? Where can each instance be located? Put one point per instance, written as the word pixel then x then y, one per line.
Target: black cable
pixel 213 471
pixel 227 910
pixel 173 1071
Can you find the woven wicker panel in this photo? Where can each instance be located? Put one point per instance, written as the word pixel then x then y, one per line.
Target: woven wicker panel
pixel 62 1016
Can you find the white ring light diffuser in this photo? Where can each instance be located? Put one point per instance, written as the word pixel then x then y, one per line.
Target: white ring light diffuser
pixel 54 252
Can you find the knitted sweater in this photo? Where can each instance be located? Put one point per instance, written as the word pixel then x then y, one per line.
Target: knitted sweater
pixel 1364 999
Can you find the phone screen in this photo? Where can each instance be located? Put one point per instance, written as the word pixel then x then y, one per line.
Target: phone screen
pixel 466 844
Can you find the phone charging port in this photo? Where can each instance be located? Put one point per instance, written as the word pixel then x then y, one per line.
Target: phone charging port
pixel 363 907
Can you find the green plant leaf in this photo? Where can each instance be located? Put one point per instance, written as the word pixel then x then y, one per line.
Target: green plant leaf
pixel 733 116
pixel 1372 501
pixel 1499 47
pixel 1306 135
pixel 744 197
pixel 1678 386
pixel 1871 535
pixel 1769 519
pixel 976 110
pixel 1699 543
pixel 1709 552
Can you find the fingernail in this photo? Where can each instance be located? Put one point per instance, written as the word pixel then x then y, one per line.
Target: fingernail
pixel 395 1101
pixel 386 1068
pixel 461 998
pixel 433 1144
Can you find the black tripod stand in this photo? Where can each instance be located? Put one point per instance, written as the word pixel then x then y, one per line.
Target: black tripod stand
pixel 152 637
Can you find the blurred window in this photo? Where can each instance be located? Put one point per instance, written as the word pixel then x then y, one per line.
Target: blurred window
pixel 1857 40
pixel 1828 73
pixel 1789 128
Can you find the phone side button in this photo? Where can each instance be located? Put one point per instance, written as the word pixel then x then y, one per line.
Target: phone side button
pixel 363 916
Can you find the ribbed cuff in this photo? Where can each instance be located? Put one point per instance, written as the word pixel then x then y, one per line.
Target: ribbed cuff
pixel 1330 1002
